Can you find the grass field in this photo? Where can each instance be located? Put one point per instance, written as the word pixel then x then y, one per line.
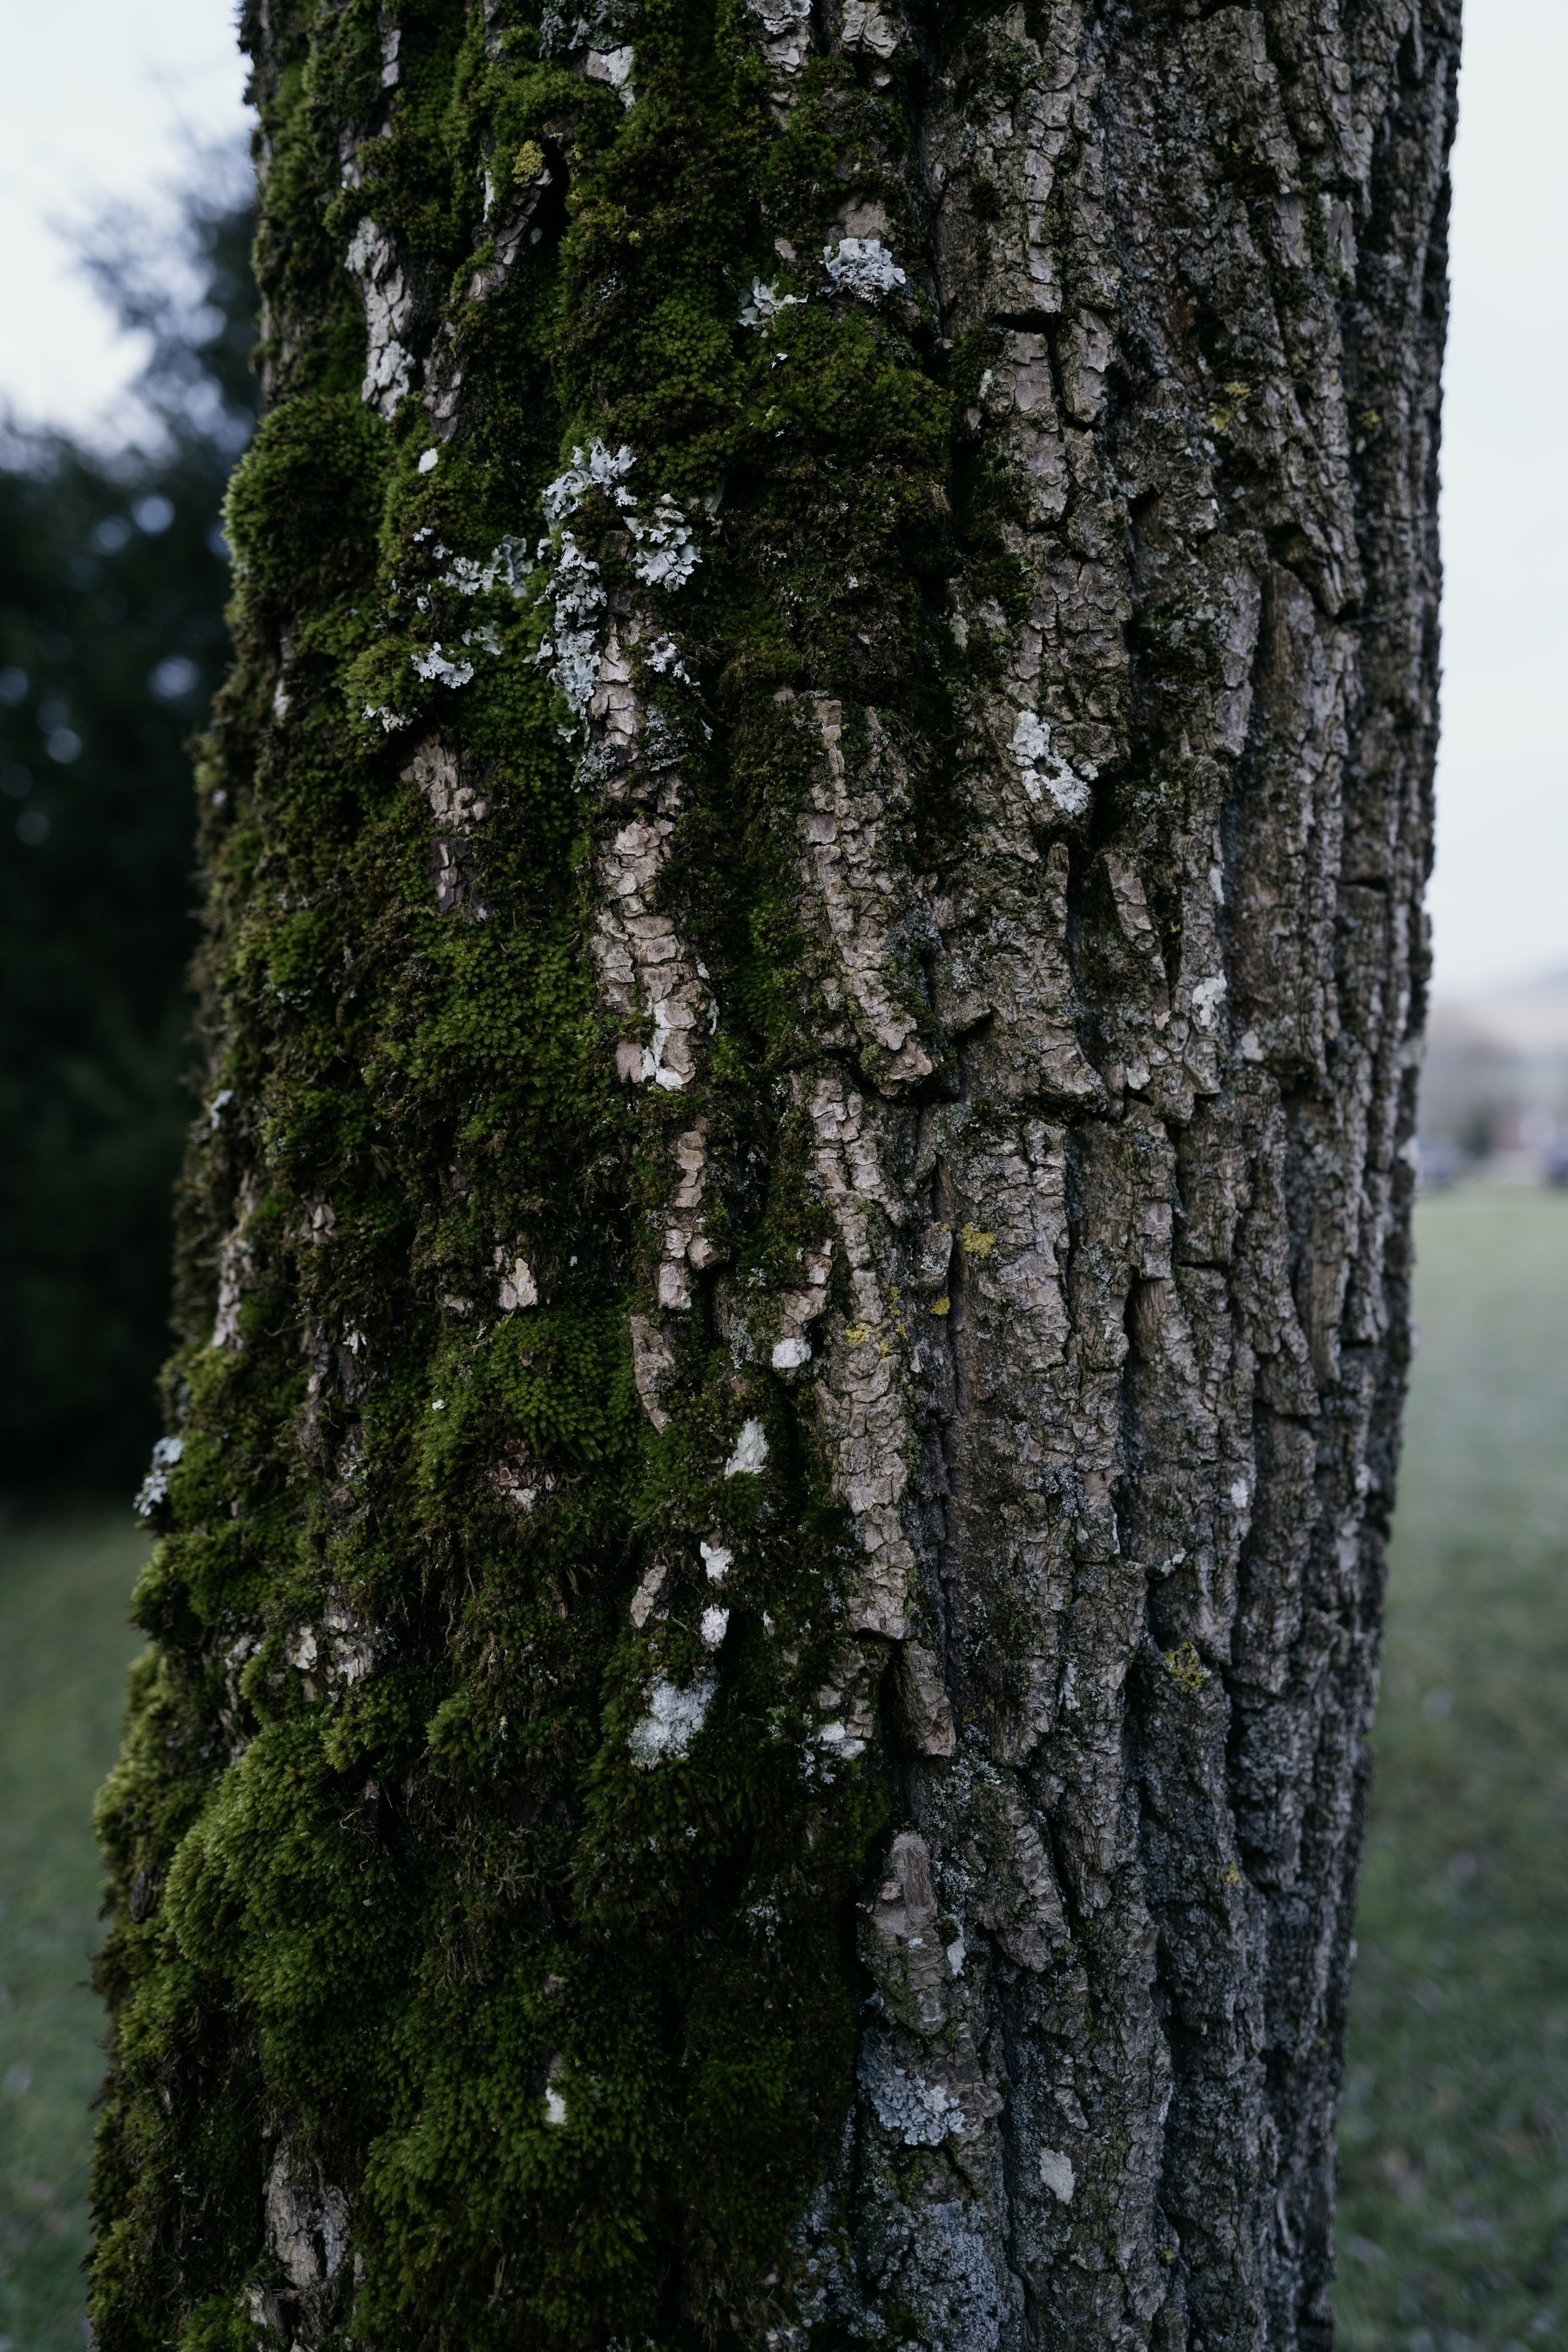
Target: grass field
pixel 1454 2202
pixel 1453 2215
pixel 64 1648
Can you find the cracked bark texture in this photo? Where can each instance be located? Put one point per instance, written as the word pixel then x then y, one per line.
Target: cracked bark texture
pixel 1147 1455
pixel 1092 904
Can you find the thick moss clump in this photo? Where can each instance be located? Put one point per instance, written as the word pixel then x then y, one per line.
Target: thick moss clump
pixel 537 2041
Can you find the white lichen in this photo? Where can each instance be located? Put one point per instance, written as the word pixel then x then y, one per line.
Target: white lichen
pixel 1057 2172
pixel 428 460
pixel 667 555
pixel 714 1625
pixel 390 720
pixel 920 2114
pixel 595 468
pixel 439 666
pixel 671 554
pixel 763 305
pixel 751 1450
pixel 554 2106
pixel 577 595
pixel 663 656
pixel 1043 770
pixel 673 1720
pixel 508 562
pixel 372 258
pixel 1206 998
pixel 717 1561
pixel 863 267
pixel 791 1352
pixel 154 1487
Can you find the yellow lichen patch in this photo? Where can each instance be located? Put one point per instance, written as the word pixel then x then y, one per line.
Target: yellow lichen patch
pixel 1232 1875
pixel 942 1307
pixel 530 161
pixel 1231 404
pixel 1185 1668
pixel 976 1243
pixel 857 1334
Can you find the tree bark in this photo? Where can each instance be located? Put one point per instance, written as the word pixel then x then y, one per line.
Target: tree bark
pixel 794 1282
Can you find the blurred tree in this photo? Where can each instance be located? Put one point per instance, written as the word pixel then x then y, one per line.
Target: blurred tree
pixel 112 580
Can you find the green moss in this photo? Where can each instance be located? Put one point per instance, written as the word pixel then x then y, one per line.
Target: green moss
pixel 382 1913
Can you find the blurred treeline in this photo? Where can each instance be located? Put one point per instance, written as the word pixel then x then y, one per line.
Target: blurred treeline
pixel 113 578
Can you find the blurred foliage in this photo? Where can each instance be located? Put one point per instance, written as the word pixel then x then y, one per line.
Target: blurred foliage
pixel 112 582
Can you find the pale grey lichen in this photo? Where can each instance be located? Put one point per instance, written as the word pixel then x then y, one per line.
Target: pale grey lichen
pixel 372 258
pixel 863 267
pixel 508 563
pixel 764 304
pixel 671 555
pixel 596 468
pixel 663 657
pixel 577 595
pixel 673 1720
pixel 1043 770
pixel 154 1487
pixel 436 666
pixel 667 556
pixel 751 1450
pixel 922 2113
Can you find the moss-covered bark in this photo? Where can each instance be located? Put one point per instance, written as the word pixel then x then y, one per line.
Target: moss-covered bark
pixel 793 1278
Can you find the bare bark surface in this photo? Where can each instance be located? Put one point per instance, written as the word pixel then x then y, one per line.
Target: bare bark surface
pixel 1147 1474
pixel 1102 992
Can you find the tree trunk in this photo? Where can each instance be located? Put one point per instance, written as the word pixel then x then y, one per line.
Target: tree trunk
pixel 795 1273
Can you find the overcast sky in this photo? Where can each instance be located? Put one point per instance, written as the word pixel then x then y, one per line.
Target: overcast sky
pixel 100 100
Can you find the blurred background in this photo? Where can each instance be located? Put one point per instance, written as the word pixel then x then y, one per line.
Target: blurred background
pixel 125 396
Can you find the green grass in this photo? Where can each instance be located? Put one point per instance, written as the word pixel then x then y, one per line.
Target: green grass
pixel 64 1649
pixel 1453 2189
pixel 1454 2213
